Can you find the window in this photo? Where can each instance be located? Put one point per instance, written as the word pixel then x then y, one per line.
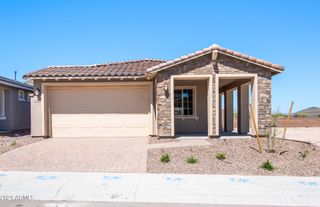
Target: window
pixel 2 102
pixel 28 96
pixel 184 101
pixel 21 95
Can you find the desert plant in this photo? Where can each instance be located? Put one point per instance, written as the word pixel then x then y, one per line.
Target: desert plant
pixel 272 132
pixel 191 160
pixel 300 114
pixel 14 143
pixel 165 158
pixel 267 166
pixel 221 155
pixel 278 114
pixel 304 154
pixel 235 114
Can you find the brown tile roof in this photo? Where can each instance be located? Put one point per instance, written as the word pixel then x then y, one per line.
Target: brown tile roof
pixel 141 67
pixel 127 68
pixel 220 49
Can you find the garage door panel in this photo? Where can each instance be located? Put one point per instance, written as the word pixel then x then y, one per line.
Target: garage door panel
pixel 60 120
pixel 112 121
pixel 63 107
pixel 87 120
pixel 63 132
pixel 88 132
pixel 101 107
pixel 100 111
pixel 135 120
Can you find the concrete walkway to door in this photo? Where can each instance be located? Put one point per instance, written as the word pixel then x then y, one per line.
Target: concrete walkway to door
pixel 79 155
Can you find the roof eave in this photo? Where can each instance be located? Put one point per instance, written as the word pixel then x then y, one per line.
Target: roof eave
pixel 16 85
pixel 151 70
pixel 274 69
pixel 44 78
pixel 163 66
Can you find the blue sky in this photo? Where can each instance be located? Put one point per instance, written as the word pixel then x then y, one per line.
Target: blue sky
pixel 35 34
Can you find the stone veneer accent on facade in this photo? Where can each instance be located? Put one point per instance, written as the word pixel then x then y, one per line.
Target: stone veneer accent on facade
pixel 203 66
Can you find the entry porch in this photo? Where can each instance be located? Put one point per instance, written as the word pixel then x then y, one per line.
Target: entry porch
pixel 200 108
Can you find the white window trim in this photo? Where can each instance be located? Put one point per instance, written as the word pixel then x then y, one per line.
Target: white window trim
pixel 3 116
pixel 24 95
pixel 194 103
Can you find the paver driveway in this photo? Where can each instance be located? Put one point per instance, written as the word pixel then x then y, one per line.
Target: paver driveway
pixel 82 155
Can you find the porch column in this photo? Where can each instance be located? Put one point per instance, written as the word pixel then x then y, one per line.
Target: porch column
pixel 228 110
pixel 220 112
pixel 243 109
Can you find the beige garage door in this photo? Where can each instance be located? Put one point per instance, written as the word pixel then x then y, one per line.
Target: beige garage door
pixel 100 111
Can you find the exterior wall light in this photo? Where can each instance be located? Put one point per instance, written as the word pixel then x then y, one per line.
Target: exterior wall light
pixel 36 92
pixel 166 87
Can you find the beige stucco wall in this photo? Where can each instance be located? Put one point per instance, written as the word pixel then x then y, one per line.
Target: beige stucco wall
pixel 36 113
pixel 200 124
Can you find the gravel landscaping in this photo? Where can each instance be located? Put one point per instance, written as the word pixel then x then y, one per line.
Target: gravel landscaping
pixel 12 140
pixel 241 157
pixel 155 140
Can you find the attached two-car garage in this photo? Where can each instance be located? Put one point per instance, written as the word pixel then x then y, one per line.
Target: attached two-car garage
pixel 99 110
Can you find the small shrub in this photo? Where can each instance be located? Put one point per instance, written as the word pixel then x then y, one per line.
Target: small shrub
pixel 165 158
pixel 304 154
pixel 192 160
pixel 221 156
pixel 14 143
pixel 278 114
pixel 267 166
pixel 300 114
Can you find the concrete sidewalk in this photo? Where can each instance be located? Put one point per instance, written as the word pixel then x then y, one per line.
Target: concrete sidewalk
pixel 305 134
pixel 160 188
pixel 111 204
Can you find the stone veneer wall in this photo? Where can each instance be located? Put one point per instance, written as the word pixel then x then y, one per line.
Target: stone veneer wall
pixel 229 65
pixel 204 66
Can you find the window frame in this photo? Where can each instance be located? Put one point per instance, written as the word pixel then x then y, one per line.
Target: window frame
pixel 3 108
pixel 194 102
pixel 24 95
pixel 28 98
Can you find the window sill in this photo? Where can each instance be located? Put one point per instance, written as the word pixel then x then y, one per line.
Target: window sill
pixel 186 117
pixel 3 118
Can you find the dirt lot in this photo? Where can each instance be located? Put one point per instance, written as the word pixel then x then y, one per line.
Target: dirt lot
pixel 241 158
pixel 13 140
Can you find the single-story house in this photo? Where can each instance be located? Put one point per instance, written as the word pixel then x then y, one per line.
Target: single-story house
pixel 14 104
pixel 152 97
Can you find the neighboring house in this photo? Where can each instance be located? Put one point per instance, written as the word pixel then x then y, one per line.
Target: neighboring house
pixel 14 105
pixel 153 97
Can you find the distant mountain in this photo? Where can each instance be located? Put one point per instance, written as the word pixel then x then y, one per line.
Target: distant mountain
pixel 311 111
